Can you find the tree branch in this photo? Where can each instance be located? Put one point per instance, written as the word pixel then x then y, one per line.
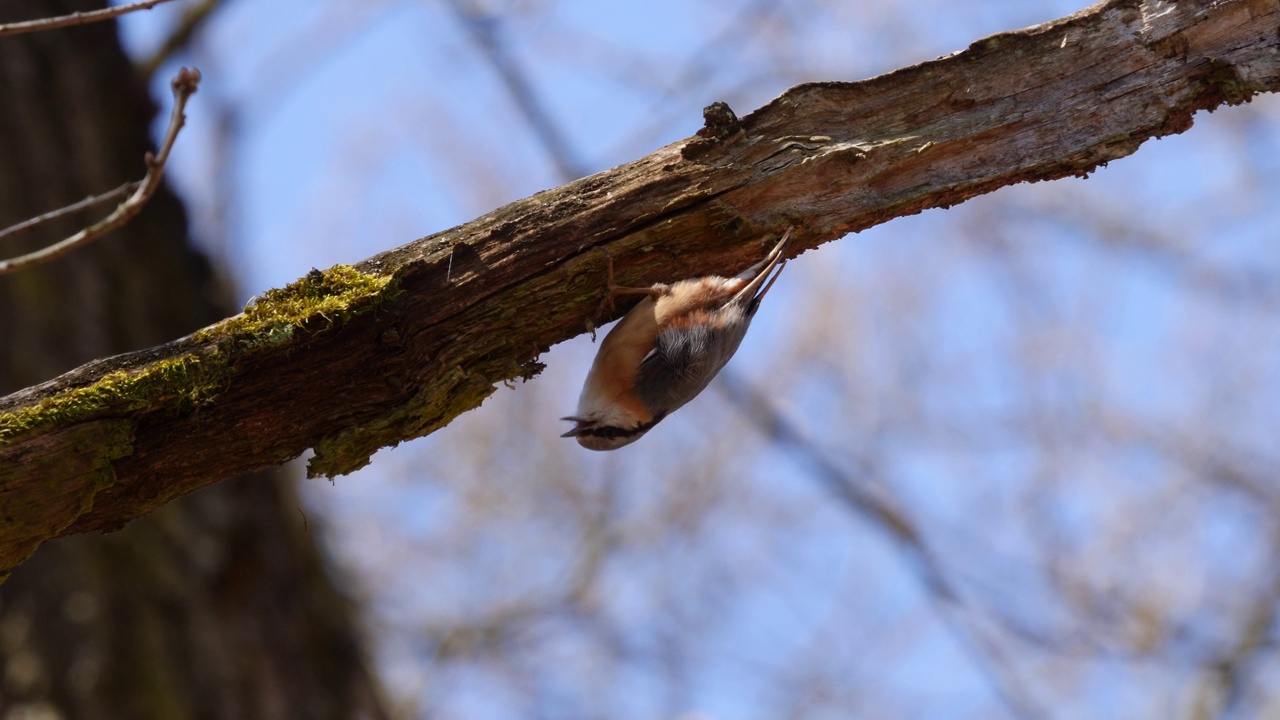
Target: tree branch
pixel 93 200
pixel 193 19
pixel 349 360
pixel 75 18
pixel 184 85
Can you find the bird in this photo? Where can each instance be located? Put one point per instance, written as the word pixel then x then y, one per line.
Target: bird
pixel 666 350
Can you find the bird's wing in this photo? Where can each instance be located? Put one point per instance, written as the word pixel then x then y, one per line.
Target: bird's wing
pixel 683 362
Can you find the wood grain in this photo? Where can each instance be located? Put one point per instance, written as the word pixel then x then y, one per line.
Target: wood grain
pixel 458 315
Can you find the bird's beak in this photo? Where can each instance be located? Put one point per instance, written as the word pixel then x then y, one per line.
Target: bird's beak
pixel 583 424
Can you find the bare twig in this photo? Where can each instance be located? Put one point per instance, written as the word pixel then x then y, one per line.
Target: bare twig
pixel 76 18
pixel 106 197
pixel 184 86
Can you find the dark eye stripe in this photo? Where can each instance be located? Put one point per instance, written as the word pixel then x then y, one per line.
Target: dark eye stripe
pixel 613 431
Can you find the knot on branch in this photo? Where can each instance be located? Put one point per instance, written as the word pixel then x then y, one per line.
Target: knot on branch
pixel 720 126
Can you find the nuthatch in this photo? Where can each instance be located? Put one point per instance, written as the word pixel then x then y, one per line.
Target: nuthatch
pixel 666 350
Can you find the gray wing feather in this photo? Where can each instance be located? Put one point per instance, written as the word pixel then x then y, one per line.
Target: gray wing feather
pixel 683 363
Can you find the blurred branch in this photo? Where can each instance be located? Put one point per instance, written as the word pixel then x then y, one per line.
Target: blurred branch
pixel 184 85
pixel 869 501
pixel 484 31
pixel 1222 683
pixel 76 18
pixel 491 629
pixel 354 359
pixel 193 18
pixel 1160 242
pixel 1212 456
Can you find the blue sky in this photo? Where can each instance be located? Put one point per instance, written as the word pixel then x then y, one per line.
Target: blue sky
pixel 1038 378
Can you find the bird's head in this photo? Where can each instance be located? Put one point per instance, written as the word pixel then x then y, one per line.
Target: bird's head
pixel 608 431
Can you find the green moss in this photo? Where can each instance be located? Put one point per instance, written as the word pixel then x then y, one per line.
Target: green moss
pixel 54 484
pixel 349 450
pixel 117 442
pixel 331 296
pixel 184 382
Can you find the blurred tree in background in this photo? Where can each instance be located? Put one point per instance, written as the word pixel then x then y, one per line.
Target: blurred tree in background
pixel 1012 459
pixel 220 605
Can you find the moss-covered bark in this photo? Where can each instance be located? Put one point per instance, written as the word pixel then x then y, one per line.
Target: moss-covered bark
pixel 217 606
pixel 475 305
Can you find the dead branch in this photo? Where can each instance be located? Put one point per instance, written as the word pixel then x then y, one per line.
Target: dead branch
pixel 76 18
pixel 353 359
pixel 118 193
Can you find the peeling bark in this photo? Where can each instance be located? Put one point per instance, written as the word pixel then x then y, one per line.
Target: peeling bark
pixel 353 359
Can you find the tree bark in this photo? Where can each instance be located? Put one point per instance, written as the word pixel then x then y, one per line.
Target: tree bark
pixel 349 360
pixel 220 605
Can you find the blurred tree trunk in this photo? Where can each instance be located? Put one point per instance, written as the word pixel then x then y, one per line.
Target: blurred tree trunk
pixel 219 606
